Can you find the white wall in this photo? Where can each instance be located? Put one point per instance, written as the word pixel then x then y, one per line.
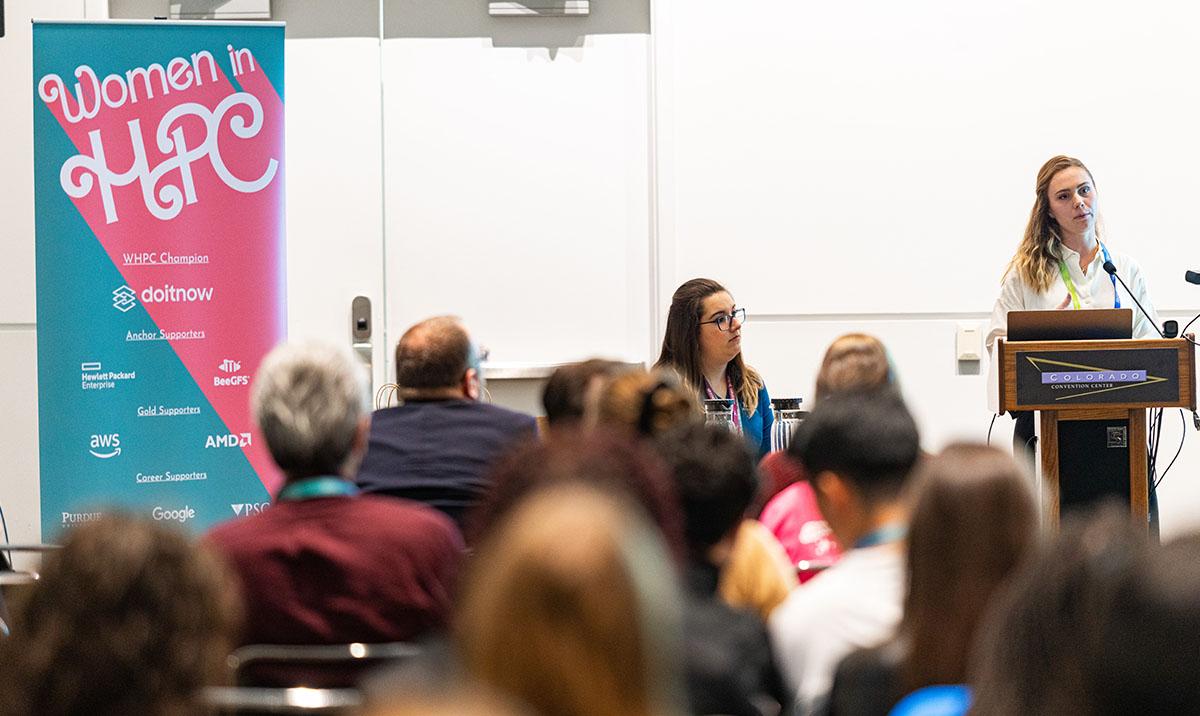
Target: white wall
pixel 19 495
pixel 517 184
pixel 841 167
pixel 870 166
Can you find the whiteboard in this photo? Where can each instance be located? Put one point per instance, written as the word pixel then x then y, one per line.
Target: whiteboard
pixel 879 157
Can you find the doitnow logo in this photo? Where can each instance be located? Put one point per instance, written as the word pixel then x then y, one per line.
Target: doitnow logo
pixel 176 294
pixel 124 299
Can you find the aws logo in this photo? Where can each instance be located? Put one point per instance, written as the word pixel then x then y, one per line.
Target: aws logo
pixel 105 446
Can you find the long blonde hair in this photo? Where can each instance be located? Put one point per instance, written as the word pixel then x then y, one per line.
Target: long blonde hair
pixel 1036 260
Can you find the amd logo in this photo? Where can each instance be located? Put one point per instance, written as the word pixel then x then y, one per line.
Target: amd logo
pixel 228 441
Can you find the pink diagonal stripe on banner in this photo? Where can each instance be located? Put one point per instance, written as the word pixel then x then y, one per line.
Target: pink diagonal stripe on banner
pixel 240 231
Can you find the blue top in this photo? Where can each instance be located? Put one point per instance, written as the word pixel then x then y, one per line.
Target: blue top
pixel 757 427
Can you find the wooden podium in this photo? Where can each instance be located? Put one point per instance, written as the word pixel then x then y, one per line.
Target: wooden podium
pixel 1109 382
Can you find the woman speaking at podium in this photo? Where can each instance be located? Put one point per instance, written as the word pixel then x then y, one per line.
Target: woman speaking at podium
pixel 703 344
pixel 1059 264
pixel 1060 261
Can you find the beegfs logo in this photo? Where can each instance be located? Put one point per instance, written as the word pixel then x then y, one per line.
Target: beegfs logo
pixel 230 366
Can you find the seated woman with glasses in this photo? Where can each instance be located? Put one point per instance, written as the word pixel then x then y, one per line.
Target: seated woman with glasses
pixel 703 344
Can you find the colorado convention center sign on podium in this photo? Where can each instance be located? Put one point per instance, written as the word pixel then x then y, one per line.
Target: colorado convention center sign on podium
pixel 1092 396
pixel 158 152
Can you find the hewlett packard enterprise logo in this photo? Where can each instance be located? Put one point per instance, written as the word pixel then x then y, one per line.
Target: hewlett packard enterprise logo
pixel 124 298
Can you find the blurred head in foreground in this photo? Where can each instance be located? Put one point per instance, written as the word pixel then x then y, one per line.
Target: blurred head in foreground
pixel 974 521
pixel 128 617
pixel 571 608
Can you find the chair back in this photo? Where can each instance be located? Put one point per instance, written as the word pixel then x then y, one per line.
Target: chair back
pixel 328 666
pixel 248 701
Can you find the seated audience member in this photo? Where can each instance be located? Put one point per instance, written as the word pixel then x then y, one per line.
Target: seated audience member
pixel 129 617
pixel 603 459
pixel 855 361
pixel 1099 622
pixel 730 668
pixel 572 388
pixel 858 450
pixel 652 403
pixel 973 522
pixel 645 403
pixel 326 564
pixel 437 446
pixel 571 608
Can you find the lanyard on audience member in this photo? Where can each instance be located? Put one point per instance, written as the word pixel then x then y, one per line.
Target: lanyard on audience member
pixel 314 487
pixel 1066 276
pixel 732 395
pixel 891 532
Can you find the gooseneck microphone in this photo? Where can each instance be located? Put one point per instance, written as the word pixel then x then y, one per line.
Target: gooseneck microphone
pixel 1112 271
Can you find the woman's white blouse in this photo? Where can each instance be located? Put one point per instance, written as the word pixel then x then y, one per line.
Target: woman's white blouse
pixel 1095 290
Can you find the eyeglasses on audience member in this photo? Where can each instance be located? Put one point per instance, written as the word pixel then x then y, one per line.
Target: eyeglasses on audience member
pixel 725 321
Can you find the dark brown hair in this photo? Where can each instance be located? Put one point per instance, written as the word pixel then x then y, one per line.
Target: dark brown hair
pixel 974 521
pixel 1042 639
pixel 566 393
pixel 604 459
pixel 681 343
pixel 129 617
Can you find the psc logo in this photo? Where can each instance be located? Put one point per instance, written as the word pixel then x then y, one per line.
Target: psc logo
pixel 249 508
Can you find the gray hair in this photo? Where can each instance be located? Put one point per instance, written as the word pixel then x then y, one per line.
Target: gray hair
pixel 307 399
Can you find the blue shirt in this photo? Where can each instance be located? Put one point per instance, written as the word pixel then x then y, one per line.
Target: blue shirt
pixel 757 427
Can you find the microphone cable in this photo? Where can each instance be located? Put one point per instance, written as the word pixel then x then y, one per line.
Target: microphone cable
pixel 8 552
pixel 1182 439
pixel 1111 269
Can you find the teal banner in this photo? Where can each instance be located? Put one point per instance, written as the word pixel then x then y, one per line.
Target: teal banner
pixel 158 152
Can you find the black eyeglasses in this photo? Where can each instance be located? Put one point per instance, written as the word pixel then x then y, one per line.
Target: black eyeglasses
pixel 724 321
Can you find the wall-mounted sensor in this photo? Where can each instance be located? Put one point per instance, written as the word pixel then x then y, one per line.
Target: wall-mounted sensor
pixel 360 319
pixel 966 343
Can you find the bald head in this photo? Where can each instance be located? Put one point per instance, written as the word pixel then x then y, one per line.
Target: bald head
pixel 434 357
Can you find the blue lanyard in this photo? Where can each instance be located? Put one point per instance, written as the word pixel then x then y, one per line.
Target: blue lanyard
pixel 1066 276
pixel 893 532
pixel 313 487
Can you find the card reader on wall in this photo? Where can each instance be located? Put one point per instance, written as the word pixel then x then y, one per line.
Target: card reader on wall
pixel 539 8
